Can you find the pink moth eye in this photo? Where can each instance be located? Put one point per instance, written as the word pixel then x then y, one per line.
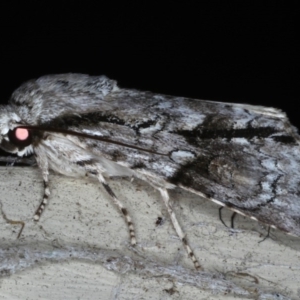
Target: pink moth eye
pixel 20 137
pixel 21 134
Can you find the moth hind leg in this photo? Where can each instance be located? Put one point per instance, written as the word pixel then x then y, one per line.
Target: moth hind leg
pixel 177 227
pixel 231 219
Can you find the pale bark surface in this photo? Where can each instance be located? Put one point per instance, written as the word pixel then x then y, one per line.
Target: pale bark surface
pixel 80 248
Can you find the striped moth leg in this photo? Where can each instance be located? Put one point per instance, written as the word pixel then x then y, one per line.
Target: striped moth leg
pixel 165 195
pixel 122 209
pixel 43 164
pixel 112 195
pixel 44 202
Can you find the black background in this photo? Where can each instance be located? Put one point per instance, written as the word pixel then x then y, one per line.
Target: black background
pixel 226 51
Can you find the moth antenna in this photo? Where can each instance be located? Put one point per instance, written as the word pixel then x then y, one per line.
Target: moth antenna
pixel 165 195
pixel 122 209
pixel 98 138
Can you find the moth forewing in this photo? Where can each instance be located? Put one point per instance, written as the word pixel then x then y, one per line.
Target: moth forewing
pixel 237 155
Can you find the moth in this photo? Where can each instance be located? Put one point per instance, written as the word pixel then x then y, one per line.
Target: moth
pixel 240 156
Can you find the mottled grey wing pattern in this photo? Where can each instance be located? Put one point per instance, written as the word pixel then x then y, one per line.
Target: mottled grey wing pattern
pixel 241 156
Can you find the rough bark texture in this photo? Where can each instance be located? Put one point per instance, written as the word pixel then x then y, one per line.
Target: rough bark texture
pixel 80 248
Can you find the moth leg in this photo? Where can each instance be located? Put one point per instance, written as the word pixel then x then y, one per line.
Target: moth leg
pixel 267 236
pixel 220 216
pixel 122 209
pixel 232 217
pixel 177 227
pixel 44 202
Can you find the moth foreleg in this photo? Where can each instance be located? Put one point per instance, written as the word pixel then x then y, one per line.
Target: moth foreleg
pixel 121 208
pixel 177 227
pixel 42 162
pixel 44 202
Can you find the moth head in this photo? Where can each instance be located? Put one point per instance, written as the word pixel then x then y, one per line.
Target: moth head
pixel 14 139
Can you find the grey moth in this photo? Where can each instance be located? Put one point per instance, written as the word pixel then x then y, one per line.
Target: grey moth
pixel 240 156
